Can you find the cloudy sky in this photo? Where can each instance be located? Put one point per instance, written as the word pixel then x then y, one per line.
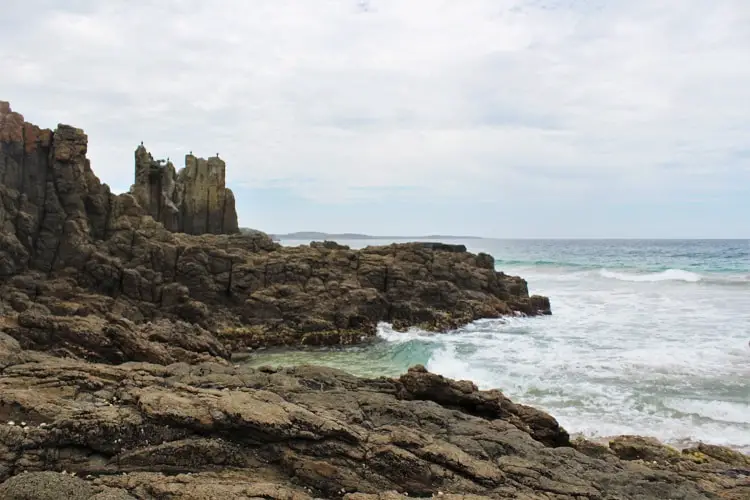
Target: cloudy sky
pixel 506 118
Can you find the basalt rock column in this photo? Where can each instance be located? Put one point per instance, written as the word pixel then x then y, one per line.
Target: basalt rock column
pixel 51 203
pixel 155 189
pixel 207 205
pixel 194 200
pixel 69 247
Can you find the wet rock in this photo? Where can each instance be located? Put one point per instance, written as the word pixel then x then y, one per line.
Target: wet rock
pixel 212 430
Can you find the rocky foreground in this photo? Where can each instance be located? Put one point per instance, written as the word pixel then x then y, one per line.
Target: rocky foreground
pixel 90 431
pixel 116 331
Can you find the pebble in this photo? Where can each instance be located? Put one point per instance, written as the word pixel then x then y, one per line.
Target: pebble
pixel 11 423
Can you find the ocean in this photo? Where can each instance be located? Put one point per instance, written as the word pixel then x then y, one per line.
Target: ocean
pixel 648 337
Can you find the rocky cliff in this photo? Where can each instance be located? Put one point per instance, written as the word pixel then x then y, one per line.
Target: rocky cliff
pixel 194 200
pixel 115 384
pixel 72 249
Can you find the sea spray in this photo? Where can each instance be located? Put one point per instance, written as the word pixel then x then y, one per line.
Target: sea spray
pixel 666 275
pixel 646 337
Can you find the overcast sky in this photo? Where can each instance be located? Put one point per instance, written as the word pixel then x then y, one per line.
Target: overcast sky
pixel 506 118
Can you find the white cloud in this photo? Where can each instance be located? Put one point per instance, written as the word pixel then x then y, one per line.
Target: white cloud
pixel 474 99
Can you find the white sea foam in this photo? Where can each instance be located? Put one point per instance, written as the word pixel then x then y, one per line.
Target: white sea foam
pixel 447 363
pixel 616 358
pixel 667 275
pixel 624 352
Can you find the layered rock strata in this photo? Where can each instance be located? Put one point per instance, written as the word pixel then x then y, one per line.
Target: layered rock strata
pixel 206 431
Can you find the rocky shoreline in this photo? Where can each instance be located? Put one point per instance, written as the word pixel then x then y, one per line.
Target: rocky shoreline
pixel 214 430
pixel 117 330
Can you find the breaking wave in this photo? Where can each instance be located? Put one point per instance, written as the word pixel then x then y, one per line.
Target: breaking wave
pixel 667 275
pixel 678 275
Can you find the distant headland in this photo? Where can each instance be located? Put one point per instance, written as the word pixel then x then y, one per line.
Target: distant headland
pixel 317 235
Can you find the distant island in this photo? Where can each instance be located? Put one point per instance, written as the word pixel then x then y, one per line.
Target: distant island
pixel 316 235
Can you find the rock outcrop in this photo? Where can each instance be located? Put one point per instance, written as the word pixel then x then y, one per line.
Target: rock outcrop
pixel 194 200
pixel 71 248
pixel 216 431
pixel 115 385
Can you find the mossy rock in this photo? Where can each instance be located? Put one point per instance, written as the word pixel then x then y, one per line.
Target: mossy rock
pixel 643 448
pixel 696 456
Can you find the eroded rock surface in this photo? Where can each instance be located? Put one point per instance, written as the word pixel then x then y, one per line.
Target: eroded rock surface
pixel 114 381
pixel 217 431
pixel 193 200
pixel 70 247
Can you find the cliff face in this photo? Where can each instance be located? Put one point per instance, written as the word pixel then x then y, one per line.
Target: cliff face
pixel 72 253
pixel 194 200
pixel 52 203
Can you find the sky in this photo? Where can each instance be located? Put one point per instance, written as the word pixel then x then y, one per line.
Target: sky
pixel 496 118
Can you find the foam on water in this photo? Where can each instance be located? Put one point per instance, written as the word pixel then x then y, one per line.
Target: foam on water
pixel 667 275
pixel 649 339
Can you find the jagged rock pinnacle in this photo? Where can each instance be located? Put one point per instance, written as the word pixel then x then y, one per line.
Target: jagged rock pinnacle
pixel 194 200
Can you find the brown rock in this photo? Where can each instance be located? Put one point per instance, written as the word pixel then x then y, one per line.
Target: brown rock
pixel 194 200
pixel 89 276
pixel 211 431
pixel 69 247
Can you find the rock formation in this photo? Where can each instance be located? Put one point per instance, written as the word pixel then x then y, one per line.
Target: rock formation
pixel 83 431
pixel 194 200
pixel 115 384
pixel 71 248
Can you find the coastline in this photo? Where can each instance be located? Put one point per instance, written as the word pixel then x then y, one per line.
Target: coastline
pixel 115 357
pixel 198 431
pixel 369 360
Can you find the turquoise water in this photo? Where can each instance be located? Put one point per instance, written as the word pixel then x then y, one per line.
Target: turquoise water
pixel 646 337
pixel 720 257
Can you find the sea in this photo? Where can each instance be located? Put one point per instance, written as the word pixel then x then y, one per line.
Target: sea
pixel 647 337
